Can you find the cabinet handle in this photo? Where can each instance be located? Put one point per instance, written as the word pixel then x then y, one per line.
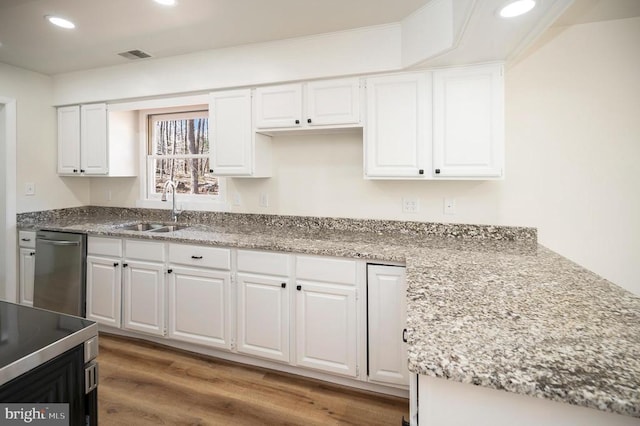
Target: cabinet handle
pixel 421 171
pixel 298 287
pixel 196 257
pixel 404 335
pixel 437 171
pixel 26 239
pixel 115 264
pixel 124 265
pixel 283 285
pixel 33 253
pixel 169 271
pixel 308 120
pixel 297 121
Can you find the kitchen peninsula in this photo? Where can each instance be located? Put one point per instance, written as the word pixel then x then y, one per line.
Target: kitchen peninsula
pixel 44 357
pixel 486 305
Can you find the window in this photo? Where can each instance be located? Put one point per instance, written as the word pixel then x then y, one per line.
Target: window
pixel 178 150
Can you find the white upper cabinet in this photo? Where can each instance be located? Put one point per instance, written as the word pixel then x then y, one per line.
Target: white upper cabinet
pixel 326 103
pixel 397 136
pixel 333 102
pixel 468 122
pixel 235 149
pixel 90 139
pixel 278 106
pixel 93 139
pixel 69 140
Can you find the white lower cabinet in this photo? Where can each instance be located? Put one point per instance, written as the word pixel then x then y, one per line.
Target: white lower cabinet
pixel 326 315
pixel 104 280
pixel 104 290
pixel 143 297
pixel 199 306
pixel 27 271
pixel 263 316
pixel 387 315
pixel 263 304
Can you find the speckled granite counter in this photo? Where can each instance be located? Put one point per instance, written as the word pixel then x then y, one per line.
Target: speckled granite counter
pixel 486 305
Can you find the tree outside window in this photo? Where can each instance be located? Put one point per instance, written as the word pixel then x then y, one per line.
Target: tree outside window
pixel 178 150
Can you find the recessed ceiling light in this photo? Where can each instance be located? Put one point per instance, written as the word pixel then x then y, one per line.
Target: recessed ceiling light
pixel 517 8
pixel 166 2
pixel 60 22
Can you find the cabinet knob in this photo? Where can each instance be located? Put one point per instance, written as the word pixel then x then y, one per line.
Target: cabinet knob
pixel 124 265
pixel 33 253
pixel 196 257
pixel 404 335
pixel 169 271
pixel 115 264
pixel 308 120
pixel 437 171
pixel 297 121
pixel 82 170
pixel 210 170
pixel 283 285
pixel 75 170
pixel 421 171
pixel 298 287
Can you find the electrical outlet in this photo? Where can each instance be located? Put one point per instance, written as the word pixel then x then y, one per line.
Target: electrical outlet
pixel 30 188
pixel 449 206
pixel 410 205
pixel 264 200
pixel 236 199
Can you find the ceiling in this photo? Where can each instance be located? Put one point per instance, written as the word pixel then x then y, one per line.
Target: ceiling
pixel 108 27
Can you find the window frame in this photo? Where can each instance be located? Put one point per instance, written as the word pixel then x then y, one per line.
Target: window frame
pixel 147 197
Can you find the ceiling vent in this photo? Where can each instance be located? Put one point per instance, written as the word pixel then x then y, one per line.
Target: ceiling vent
pixel 134 54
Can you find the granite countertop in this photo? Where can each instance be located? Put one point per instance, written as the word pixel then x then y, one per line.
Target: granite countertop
pixel 486 305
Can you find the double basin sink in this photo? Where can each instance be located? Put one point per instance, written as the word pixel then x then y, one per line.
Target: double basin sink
pixel 152 227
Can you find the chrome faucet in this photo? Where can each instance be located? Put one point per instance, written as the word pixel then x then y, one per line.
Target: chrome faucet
pixel 174 213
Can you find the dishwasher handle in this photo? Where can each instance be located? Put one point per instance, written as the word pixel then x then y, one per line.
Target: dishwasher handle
pixel 59 242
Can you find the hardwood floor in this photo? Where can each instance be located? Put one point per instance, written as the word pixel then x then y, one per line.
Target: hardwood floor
pixel 146 384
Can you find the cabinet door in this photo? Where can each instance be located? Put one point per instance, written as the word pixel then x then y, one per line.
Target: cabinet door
pixel 326 327
pixel 143 300
pixel 387 315
pixel 27 270
pixel 104 290
pixel 230 132
pixel 468 127
pixel 199 302
pixel 93 140
pixel 263 316
pixel 333 102
pixel 279 106
pixel 397 132
pixel 69 140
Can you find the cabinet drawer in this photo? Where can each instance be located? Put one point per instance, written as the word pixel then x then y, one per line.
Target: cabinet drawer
pixel 104 246
pixel 260 262
pixel 27 239
pixel 326 269
pixel 207 257
pixel 144 250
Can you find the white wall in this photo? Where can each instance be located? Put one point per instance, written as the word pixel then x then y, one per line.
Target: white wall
pixel 572 132
pixel 36 143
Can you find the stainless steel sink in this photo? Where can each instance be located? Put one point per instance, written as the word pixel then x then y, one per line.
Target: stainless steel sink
pixel 151 227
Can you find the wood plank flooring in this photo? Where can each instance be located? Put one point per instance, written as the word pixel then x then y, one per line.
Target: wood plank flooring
pixel 146 384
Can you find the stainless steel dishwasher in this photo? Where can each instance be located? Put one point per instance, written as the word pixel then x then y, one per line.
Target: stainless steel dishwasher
pixel 60 272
